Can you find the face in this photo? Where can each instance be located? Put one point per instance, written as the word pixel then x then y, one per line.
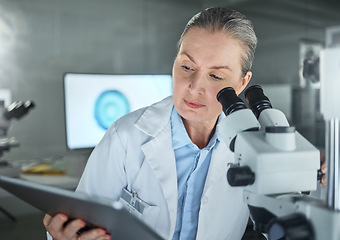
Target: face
pixel 206 63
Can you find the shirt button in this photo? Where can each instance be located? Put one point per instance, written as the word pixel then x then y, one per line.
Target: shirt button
pixel 205 200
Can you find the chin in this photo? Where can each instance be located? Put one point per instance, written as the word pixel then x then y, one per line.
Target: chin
pixel 190 115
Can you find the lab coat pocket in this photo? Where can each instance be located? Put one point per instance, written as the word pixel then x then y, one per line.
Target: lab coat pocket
pixel 150 215
pixel 139 208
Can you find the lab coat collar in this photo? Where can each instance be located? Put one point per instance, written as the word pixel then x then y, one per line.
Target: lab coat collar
pixel 155 117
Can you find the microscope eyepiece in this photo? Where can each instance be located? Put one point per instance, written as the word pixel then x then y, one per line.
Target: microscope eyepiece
pixel 230 101
pixel 257 101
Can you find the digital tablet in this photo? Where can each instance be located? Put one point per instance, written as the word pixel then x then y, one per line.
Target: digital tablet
pixel 109 215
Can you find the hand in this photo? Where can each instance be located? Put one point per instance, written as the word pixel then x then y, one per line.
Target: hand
pixel 59 231
pixel 323 170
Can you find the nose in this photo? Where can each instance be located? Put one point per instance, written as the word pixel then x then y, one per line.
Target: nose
pixel 197 84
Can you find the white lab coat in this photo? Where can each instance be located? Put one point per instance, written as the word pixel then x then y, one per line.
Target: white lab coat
pixel 136 153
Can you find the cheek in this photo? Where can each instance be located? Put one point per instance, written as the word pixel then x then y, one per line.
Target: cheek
pixel 214 103
pixel 213 94
pixel 217 107
pixel 176 86
pixel 179 83
pixel 178 89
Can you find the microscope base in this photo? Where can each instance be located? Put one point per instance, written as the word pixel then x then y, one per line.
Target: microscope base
pixel 320 221
pixel 9 170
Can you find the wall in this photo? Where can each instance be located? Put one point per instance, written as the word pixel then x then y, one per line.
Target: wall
pixel 40 40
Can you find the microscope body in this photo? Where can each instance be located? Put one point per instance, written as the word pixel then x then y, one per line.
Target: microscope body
pixel 281 159
pixel 15 110
pixel 274 164
pixel 4 123
pixel 278 170
pixel 275 167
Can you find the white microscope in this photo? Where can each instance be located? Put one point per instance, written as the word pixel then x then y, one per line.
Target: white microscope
pixel 15 110
pixel 275 165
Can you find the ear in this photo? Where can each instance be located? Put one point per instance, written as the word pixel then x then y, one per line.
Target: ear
pixel 244 82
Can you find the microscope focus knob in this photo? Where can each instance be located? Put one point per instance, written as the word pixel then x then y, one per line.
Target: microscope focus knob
pixel 292 227
pixel 240 176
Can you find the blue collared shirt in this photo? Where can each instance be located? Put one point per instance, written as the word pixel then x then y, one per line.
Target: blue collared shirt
pixel 192 166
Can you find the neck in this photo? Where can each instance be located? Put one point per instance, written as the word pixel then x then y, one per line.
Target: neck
pixel 200 133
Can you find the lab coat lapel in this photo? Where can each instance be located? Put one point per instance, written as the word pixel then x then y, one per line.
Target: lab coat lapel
pixel 161 158
pixel 220 158
pixel 155 121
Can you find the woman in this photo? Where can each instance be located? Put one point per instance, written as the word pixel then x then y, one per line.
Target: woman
pixel 170 154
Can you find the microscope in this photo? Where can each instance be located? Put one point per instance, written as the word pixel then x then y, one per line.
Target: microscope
pixel 276 166
pixel 16 110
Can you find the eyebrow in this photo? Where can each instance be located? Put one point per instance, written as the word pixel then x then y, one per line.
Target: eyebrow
pixel 214 67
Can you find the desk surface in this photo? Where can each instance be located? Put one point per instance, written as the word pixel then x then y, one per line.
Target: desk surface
pixel 74 166
pixel 61 181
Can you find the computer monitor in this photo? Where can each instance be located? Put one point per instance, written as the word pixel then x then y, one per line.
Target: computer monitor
pixel 94 101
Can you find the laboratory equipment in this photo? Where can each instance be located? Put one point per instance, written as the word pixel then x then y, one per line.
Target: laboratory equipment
pixel 275 165
pixel 16 110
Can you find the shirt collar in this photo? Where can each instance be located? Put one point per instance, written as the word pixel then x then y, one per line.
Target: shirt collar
pixel 180 137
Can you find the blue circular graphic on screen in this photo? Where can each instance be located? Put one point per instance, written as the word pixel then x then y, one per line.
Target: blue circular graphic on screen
pixel 109 106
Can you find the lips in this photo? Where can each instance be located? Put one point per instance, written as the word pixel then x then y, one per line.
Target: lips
pixel 193 104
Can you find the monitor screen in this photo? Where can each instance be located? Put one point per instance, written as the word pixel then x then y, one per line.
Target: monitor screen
pixel 94 101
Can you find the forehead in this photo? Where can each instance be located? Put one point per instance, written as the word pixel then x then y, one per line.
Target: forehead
pixel 212 47
pixel 197 33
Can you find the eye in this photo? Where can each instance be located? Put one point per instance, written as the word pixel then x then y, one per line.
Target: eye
pixel 186 68
pixel 216 77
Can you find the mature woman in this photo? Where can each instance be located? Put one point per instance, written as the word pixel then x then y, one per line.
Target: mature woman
pixel 170 154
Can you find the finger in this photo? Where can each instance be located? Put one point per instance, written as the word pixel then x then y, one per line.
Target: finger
pixel 54 225
pixel 322 157
pixel 96 233
pixel 323 181
pixel 47 219
pixel 71 229
pixel 58 220
pixel 107 237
